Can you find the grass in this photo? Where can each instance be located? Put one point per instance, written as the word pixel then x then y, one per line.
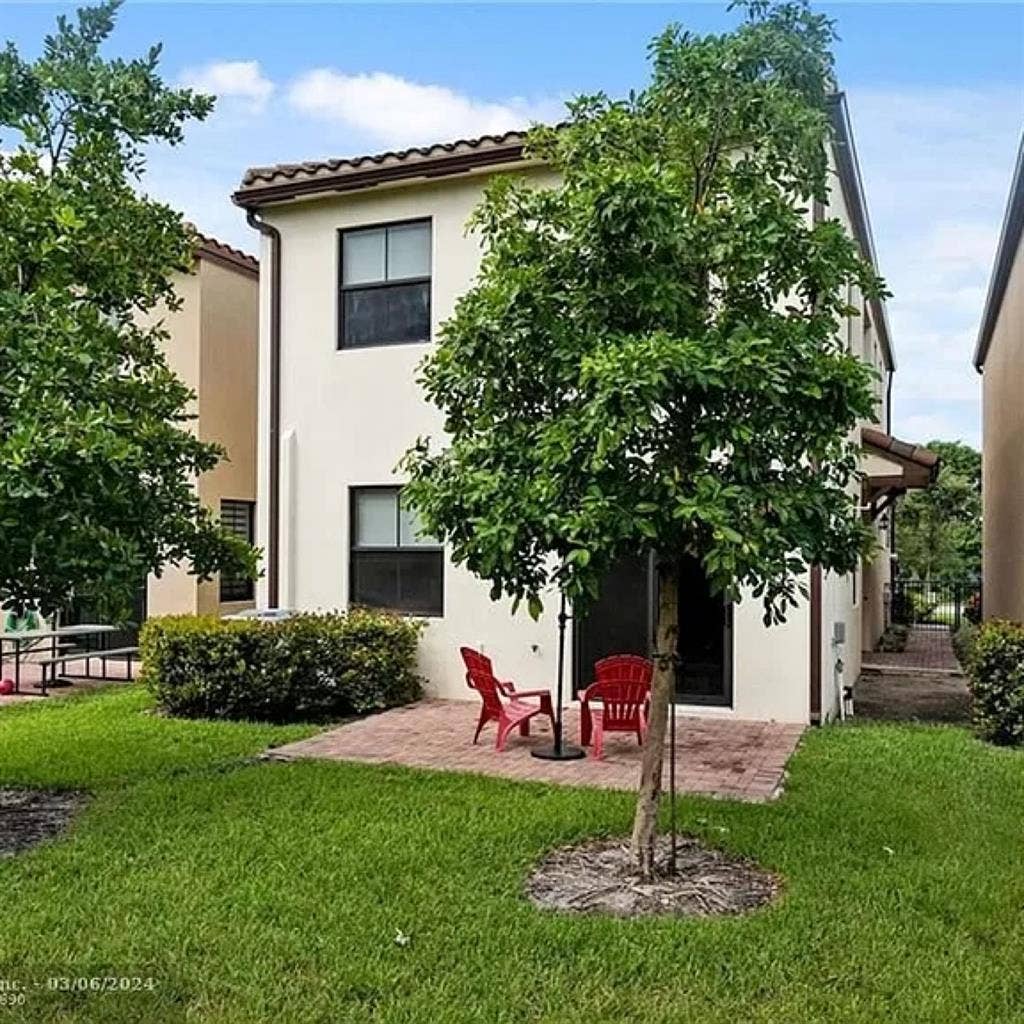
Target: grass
pixel 258 892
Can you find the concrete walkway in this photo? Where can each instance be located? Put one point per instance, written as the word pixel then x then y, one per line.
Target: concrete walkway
pixel 929 649
pixel 922 683
pixel 716 757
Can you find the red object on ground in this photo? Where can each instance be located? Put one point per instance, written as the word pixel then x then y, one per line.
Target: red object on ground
pixel 6 687
pixel 503 703
pixel 623 686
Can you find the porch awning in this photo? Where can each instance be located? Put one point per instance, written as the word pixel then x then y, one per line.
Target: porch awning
pixel 892 467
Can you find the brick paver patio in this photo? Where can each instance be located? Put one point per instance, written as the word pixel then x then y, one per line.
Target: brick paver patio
pixel 716 757
pixel 30 673
pixel 928 647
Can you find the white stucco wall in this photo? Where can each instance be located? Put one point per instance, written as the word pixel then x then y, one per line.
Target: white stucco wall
pixel 348 416
pixel 844 600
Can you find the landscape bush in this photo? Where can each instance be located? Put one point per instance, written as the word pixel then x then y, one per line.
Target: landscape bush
pixel 995 669
pixel 963 642
pixel 894 638
pixel 308 668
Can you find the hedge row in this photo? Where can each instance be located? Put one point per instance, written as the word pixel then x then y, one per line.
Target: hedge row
pixel 308 668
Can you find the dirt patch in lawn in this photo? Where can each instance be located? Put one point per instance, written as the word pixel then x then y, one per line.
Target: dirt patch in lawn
pixel 598 877
pixel 31 816
pixel 906 697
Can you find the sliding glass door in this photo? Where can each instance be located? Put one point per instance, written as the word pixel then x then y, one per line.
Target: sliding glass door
pixel 623 620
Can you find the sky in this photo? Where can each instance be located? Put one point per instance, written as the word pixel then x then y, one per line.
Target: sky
pixel 936 96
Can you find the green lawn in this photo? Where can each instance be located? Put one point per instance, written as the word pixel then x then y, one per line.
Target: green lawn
pixel 258 892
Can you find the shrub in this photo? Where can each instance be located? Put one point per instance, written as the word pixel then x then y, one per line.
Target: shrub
pixel 308 668
pixel 972 608
pixel 995 668
pixel 894 638
pixel 963 643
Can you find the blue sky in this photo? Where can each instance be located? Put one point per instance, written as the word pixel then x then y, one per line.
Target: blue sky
pixel 936 95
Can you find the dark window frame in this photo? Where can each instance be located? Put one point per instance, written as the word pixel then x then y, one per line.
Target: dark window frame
pixel 340 343
pixel 396 549
pixel 236 588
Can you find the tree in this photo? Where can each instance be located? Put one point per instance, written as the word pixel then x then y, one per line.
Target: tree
pixel 650 357
pixel 938 529
pixel 98 467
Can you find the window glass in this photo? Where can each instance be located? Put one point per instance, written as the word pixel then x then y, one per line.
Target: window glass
pixel 420 583
pixel 408 251
pixel 237 516
pixel 392 566
pixel 391 315
pixel 362 257
pixel 375 579
pixel 410 533
pixel 385 285
pixel 376 518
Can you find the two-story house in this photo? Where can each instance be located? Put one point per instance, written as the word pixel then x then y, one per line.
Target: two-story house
pixel 363 259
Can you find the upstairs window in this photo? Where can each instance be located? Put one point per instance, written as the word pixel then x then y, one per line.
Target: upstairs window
pixel 237 516
pixel 393 565
pixel 385 285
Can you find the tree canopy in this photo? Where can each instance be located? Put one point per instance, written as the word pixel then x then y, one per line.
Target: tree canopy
pixel 651 355
pixel 651 352
pixel 98 464
pixel 938 529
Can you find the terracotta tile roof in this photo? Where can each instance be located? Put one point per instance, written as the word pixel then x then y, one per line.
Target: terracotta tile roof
pixel 284 181
pixel 887 444
pixel 216 251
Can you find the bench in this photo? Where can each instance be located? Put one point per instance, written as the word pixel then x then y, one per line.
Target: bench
pixel 130 654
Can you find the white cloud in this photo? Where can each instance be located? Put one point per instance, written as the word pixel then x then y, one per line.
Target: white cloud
pixel 942 426
pixel 232 79
pixel 394 111
pixel 937 166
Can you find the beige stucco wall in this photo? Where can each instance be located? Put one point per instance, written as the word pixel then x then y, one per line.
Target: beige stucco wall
pixel 229 318
pixel 1003 456
pixel 213 348
pixel 174 591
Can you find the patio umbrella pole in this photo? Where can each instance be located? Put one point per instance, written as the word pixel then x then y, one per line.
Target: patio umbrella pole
pixel 560 751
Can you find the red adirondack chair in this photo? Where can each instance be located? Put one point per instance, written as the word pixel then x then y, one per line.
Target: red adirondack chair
pixel 623 687
pixel 502 702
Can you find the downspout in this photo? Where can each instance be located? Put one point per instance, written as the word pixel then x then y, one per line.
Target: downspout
pixel 888 402
pixel 274 400
pixel 815 681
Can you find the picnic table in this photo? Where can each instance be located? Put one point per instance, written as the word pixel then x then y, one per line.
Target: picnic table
pixel 29 640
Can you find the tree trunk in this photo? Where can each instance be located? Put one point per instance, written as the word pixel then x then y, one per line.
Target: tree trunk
pixel 646 819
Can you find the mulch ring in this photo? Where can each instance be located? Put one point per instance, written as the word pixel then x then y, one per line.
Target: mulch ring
pixel 598 877
pixel 31 816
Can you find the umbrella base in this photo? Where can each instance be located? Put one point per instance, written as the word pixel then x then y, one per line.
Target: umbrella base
pixel 567 753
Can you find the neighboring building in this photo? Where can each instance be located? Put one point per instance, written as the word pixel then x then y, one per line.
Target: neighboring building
pixel 366 257
pixel 213 348
pixel 999 357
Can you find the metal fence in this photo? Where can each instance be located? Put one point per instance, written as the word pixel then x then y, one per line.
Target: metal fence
pixel 941 604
